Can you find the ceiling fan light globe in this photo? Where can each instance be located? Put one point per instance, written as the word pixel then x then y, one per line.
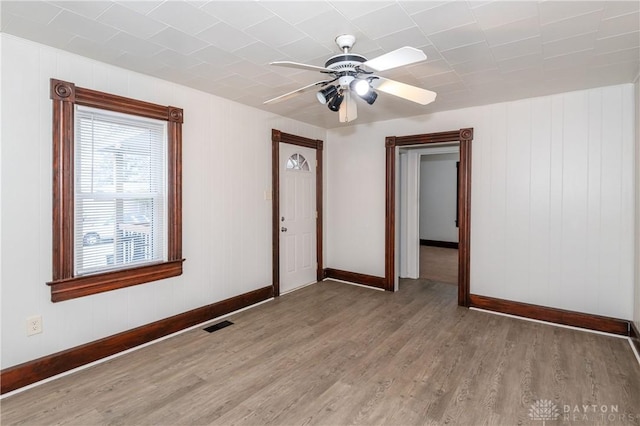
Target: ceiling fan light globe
pixel 361 87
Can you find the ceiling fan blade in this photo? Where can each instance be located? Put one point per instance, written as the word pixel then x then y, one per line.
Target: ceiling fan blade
pixel 405 91
pixel 396 58
pixel 295 92
pixel 289 64
pixel 348 109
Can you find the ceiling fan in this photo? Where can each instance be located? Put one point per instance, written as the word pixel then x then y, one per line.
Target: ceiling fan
pixel 349 73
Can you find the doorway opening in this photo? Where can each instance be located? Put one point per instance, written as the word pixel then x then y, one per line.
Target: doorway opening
pixel 428 213
pixel 464 138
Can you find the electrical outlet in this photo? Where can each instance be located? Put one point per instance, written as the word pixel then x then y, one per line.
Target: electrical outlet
pixel 34 325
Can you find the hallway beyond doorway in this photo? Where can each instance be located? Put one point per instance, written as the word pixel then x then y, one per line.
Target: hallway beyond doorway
pixel 439 264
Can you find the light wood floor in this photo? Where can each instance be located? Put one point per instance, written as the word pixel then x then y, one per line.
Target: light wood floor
pixel 333 354
pixel 439 264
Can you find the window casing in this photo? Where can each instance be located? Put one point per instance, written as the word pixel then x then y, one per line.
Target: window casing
pixel 117 171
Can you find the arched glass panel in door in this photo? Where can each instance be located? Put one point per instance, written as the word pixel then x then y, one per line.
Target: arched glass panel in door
pixel 297 162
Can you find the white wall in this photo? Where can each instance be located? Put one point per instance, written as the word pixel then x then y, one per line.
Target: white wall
pixel 552 205
pixel 438 183
pixel 227 222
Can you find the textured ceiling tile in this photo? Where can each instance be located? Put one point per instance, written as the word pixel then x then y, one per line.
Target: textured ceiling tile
pixel 619 25
pixel 134 45
pixel 384 21
pixel 354 9
pixel 511 68
pixel 84 27
pixel 30 30
pixel 573 60
pixel 140 6
pixel 295 12
pixel 88 9
pixel 407 37
pixel 498 13
pixel 436 80
pixel 532 60
pixel 481 78
pixel 305 49
pixel 274 32
pixel 480 64
pixel 326 26
pixel 237 13
pixel 425 69
pixel 617 8
pixel 513 31
pixel 131 22
pixel 568 45
pixel 553 11
pixel 260 53
pixel 619 56
pixel 94 50
pixel 182 16
pixel 245 68
pixel 176 60
pixel 457 37
pixel 444 17
pixel 583 24
pixel 225 37
pixel 214 55
pixel 178 41
pixel 472 52
pixel 30 10
pixel 519 48
pixel 621 42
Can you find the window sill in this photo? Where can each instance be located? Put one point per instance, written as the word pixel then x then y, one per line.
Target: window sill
pixel 85 285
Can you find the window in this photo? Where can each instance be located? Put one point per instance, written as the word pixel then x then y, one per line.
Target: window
pixel 117 192
pixel 297 162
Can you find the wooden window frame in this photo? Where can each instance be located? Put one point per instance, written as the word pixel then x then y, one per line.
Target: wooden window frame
pixel 64 285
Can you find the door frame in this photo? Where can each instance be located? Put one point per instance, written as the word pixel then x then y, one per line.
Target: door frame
pixel 278 137
pixel 464 137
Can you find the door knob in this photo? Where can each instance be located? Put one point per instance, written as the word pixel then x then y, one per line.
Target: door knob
pixel 283 229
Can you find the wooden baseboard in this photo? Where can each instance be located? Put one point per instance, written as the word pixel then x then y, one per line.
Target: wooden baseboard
pixel 558 316
pixel 15 377
pixel 434 243
pixel 634 334
pixel 354 277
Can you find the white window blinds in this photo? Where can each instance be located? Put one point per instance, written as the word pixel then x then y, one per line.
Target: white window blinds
pixel 120 191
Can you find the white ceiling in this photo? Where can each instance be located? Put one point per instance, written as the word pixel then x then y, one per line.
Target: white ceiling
pixel 478 52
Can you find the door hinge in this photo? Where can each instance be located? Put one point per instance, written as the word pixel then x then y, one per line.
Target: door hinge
pixel 316 214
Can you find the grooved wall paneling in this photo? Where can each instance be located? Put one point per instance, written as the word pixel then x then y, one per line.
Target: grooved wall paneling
pixel 552 203
pixel 227 221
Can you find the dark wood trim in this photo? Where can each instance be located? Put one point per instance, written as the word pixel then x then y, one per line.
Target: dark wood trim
pixel 634 335
pixel 554 315
pixel 390 214
pixel 275 211
pixel 319 210
pixel 435 243
pixel 15 377
pixel 64 285
pixel 354 277
pixel 278 137
pixel 464 137
pixel 85 285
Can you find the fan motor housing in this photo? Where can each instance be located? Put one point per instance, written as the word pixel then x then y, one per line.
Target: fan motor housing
pixel 345 62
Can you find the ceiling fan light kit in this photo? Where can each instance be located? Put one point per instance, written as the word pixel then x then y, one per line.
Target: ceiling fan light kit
pixel 350 72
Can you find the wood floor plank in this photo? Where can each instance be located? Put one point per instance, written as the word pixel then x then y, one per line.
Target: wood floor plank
pixel 336 354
